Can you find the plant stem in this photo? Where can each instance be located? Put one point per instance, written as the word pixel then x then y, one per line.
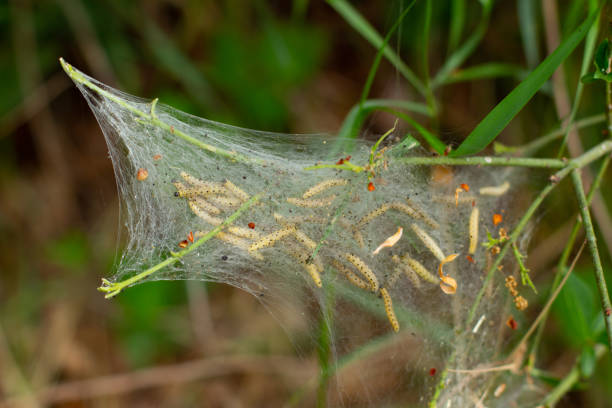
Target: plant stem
pixel 113 288
pixel 486 161
pixel 535 145
pixel 578 162
pixel 150 117
pixel 592 240
pixel 562 264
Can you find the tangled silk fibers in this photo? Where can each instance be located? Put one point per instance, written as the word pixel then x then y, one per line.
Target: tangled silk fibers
pixel 305 248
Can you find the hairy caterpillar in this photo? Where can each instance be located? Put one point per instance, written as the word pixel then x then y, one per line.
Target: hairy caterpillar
pixel 322 202
pixel 474 230
pixel 389 309
pixel 428 242
pixel 365 271
pixel 322 186
pixel 495 190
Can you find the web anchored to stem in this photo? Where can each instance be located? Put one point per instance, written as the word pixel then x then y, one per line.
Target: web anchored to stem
pixel 372 240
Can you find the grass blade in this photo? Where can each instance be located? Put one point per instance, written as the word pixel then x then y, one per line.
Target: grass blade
pixel 459 57
pixel 364 28
pixel 485 71
pixel 509 107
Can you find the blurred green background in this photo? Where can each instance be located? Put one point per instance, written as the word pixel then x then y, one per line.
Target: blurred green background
pixel 287 66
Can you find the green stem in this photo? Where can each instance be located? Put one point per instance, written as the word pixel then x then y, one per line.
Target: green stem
pixel 562 264
pixel 578 162
pixel 486 161
pixel 592 240
pixel 113 288
pixel 149 117
pixel 589 48
pixel 532 147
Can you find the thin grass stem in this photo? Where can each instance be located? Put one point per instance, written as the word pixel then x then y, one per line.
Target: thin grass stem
pixel 592 240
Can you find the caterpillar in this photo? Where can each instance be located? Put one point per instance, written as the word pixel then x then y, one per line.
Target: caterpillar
pixel 389 309
pixel 428 242
pixel 200 187
pixel 403 267
pixel 304 239
pixel 313 268
pixel 495 190
pixel 322 186
pixel 350 275
pixel 474 230
pixel 420 270
pixel 270 239
pixel 365 271
pixel 422 215
pixel 238 231
pixel 235 190
pixel 390 282
pixel 203 208
pixel 372 215
pixel 406 209
pixel 322 202
pixel 225 201
pixel 462 199
pixel 233 240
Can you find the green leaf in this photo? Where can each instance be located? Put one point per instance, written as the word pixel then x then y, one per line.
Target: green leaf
pixel 575 309
pixel 492 125
pixel 602 56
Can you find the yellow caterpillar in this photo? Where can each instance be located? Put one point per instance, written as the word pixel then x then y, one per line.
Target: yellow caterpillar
pixel 474 230
pixel 354 279
pixel 365 271
pixel 322 186
pixel 233 240
pixel 322 202
pixel 270 239
pixel 235 190
pixel 428 242
pixel 495 190
pixel 420 270
pixel 203 208
pixel 389 309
